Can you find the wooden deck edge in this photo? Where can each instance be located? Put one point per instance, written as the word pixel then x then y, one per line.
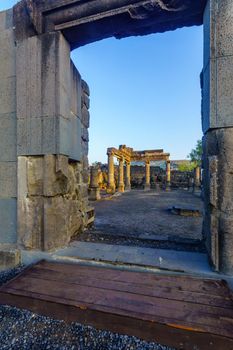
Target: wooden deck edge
pixel 150 331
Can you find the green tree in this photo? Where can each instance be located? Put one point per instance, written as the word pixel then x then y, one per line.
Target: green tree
pixel 186 166
pixel 196 154
pixel 96 164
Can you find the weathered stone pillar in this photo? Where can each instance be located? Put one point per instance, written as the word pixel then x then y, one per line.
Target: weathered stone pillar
pixel 128 182
pixel 121 185
pixel 157 186
pixel 168 175
pixel 197 179
pixel 94 190
pixel 147 182
pixel 217 123
pixel 190 184
pixel 111 188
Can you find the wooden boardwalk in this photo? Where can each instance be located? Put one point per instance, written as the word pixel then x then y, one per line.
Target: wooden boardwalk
pixel 179 311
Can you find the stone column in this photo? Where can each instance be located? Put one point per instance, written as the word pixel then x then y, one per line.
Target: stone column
pixel 198 176
pixel 128 182
pixel 197 179
pixel 217 124
pixel 121 185
pixel 190 184
pixel 168 175
pixel 147 182
pixel 111 188
pixel 94 191
pixel 157 186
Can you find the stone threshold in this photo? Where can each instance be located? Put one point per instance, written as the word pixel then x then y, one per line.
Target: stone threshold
pixel 130 258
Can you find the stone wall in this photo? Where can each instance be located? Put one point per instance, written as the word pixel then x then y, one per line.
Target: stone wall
pixel 8 131
pixel 44 112
pixel 52 201
pixel 53 189
pixel 217 124
pixel 138 175
pixel 182 179
pixel 44 116
pixel 179 179
pixel 218 189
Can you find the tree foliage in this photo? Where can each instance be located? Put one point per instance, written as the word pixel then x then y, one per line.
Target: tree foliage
pixel 186 166
pixel 196 154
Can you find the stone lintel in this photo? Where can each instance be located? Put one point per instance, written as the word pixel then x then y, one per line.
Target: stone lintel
pixel 86 22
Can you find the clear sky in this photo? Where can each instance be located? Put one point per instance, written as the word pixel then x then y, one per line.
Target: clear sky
pixel 145 91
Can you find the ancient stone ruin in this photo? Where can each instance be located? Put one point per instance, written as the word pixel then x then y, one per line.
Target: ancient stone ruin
pixel 126 155
pixel 44 114
pixel 179 178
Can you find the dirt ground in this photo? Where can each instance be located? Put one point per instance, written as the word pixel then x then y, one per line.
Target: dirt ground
pixel 143 218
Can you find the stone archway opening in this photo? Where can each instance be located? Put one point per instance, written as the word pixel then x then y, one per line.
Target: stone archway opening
pixel 112 186
pixel 41 83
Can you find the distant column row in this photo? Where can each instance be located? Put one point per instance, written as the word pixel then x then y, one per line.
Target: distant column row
pixel 147 175
pixel 125 184
pixel 122 184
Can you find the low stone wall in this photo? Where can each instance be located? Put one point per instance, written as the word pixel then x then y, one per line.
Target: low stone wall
pixel 182 179
pixel 138 176
pixel 179 179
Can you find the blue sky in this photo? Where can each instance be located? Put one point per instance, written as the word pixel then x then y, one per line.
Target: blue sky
pixel 145 91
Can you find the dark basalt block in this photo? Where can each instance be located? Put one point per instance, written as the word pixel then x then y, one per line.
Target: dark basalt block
pixel 185 211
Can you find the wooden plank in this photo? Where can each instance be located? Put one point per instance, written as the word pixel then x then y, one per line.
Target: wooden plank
pixel 155 309
pixel 171 305
pixel 209 286
pixel 175 323
pixel 175 293
pixel 149 331
pixel 44 286
pixel 102 308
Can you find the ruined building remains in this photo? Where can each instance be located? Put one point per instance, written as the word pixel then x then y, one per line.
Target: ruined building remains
pixel 44 114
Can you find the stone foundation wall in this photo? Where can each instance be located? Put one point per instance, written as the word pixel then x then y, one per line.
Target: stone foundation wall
pixel 218 189
pixel 52 201
pixel 217 125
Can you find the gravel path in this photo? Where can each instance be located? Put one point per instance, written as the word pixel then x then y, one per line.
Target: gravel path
pixel 9 274
pixel 24 330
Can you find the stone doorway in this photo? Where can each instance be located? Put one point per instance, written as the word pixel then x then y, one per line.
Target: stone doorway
pixel 39 36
